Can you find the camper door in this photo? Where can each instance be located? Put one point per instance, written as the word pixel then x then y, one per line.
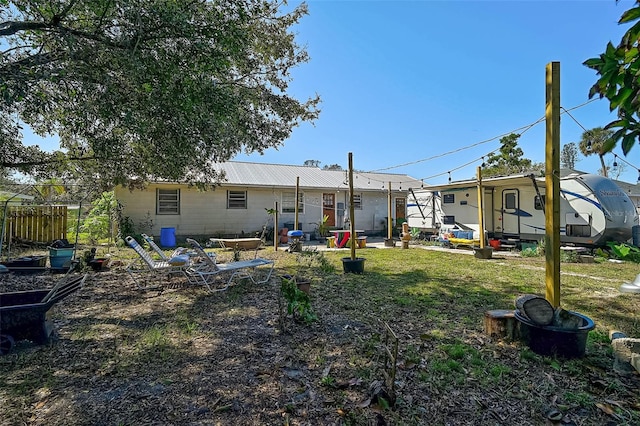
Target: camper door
pixel 511 212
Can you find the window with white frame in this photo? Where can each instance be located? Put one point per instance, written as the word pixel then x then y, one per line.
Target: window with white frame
pixel 236 199
pixel 167 201
pixel 357 201
pixel 288 202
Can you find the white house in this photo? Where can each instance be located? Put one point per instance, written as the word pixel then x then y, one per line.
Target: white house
pixel 239 205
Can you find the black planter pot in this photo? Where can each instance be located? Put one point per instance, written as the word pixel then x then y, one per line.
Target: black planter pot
pixel 483 253
pixel 355 266
pixel 554 341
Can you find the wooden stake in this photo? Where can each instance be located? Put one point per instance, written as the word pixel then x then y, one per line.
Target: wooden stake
pixel 552 180
pixel 352 219
pixel 480 208
pixel 389 219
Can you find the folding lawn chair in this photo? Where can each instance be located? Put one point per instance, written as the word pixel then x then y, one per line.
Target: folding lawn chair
pixel 177 252
pixel 207 271
pixel 145 264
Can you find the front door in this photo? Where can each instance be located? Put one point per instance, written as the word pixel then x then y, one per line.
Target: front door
pixel 401 210
pixel 329 208
pixel 510 212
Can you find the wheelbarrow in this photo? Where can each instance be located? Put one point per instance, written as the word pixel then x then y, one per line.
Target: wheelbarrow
pixel 24 314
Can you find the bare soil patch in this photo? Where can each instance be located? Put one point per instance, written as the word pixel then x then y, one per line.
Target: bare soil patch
pixel 185 356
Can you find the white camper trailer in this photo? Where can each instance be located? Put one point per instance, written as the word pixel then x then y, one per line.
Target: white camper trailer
pixel 593 209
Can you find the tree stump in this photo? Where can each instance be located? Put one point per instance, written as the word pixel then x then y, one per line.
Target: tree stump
pixel 536 308
pixel 501 323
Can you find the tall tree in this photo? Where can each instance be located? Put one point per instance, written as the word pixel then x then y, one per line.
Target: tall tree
pixel 618 69
pixel 508 159
pixel 596 141
pixel 569 155
pixel 332 167
pixel 146 88
pixel 312 163
pixel 614 169
pixel 49 189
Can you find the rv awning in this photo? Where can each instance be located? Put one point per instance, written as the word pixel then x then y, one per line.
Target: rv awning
pixel 487 183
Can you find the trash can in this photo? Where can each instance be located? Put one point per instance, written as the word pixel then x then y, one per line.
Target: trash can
pixel 635 233
pixel 168 237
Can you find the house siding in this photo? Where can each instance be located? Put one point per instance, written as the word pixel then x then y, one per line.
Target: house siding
pixel 205 213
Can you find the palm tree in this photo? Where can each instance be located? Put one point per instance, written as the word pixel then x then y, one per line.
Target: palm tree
pixel 593 142
pixel 49 189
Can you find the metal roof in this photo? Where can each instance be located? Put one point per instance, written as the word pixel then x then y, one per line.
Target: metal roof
pixel 281 175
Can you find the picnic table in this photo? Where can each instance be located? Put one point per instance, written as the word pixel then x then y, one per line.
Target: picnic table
pixel 342 236
pixel 238 243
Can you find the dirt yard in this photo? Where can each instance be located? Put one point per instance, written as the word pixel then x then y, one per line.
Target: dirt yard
pixel 183 356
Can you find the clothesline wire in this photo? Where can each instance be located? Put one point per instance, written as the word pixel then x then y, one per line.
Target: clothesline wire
pixel 523 128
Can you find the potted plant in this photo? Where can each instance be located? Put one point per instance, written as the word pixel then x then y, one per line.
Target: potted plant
pixel 322 229
pixel 352 264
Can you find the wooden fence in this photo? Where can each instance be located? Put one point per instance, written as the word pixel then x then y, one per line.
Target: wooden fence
pixel 42 224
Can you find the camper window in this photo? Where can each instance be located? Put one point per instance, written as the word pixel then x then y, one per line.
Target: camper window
pixel 510 201
pixel 448 198
pixel 449 220
pixel 578 230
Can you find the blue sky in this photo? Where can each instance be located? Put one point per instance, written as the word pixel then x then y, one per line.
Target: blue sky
pixel 404 81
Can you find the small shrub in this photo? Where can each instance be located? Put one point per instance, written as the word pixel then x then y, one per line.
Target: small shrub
pixel 298 302
pixel 568 256
pixel 625 251
pixel 314 259
pixel 529 252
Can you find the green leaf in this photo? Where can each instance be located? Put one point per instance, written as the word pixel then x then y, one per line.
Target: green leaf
pixel 593 62
pixel 630 38
pixel 618 123
pixel 630 15
pixel 627 143
pixel 595 89
pixel 621 97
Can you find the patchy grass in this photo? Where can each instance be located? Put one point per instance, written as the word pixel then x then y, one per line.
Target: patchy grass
pixel 189 357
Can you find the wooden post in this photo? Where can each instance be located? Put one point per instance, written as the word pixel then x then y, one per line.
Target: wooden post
pixel 480 208
pixel 276 233
pixel 352 221
pixel 389 219
pixel 295 225
pixel 552 180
